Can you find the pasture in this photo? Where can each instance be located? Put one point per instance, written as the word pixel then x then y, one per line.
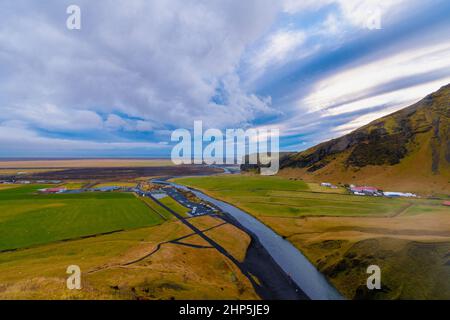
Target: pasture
pixel 173 271
pixel 28 218
pixel 175 206
pixel 342 234
pixel 281 197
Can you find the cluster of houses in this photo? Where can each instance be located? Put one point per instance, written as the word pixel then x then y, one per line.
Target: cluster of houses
pixel 15 182
pixel 105 189
pixel 365 191
pixel 12 181
pixel 99 189
pixel 52 190
pixel 371 191
pixel 328 185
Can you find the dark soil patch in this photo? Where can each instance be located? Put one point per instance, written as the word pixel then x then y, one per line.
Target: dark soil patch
pixel 123 173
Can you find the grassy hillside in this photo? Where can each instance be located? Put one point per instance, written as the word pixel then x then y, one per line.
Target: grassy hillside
pixel 28 219
pixel 408 150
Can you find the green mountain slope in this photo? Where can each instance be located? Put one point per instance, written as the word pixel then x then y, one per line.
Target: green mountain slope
pixel 407 150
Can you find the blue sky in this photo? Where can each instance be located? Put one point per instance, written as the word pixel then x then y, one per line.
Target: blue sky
pixel 139 69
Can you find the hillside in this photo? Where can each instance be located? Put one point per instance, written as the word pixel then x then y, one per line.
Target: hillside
pixel 408 150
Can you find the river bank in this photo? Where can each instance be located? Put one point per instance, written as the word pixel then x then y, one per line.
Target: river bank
pixel 293 264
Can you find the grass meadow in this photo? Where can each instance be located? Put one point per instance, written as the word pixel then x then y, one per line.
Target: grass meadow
pixel 28 218
pixel 342 234
pixel 281 197
pixel 172 272
pixel 175 206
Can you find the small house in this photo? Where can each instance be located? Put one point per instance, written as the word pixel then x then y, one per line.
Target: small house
pixel 364 190
pixel 53 190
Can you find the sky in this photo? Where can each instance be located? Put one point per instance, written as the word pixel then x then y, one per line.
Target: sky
pixel 138 69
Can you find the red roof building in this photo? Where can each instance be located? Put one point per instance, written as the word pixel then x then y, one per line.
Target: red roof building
pixel 364 189
pixel 54 190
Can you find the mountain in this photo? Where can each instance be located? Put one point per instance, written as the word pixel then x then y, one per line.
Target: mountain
pixel 408 150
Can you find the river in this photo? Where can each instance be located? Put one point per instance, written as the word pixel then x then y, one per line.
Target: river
pixel 290 259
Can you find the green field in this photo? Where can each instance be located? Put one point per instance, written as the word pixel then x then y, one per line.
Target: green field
pixel 280 197
pixel 173 272
pixel 342 234
pixel 158 209
pixel 28 218
pixel 74 185
pixel 175 206
pixel 121 184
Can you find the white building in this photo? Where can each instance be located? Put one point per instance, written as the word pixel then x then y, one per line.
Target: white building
pixel 399 194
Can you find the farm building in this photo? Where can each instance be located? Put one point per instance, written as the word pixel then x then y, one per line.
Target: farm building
pixel 53 190
pixel 106 189
pixel 364 190
pixel 328 185
pixel 399 194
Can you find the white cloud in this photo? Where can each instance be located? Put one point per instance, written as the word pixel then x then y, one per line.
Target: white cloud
pixel 362 121
pixel 398 98
pixel 355 12
pixel 149 66
pixel 157 61
pixel 52 117
pixel 278 46
pixel 17 139
pixel 369 89
pixel 294 6
pixel 354 84
pixel 115 123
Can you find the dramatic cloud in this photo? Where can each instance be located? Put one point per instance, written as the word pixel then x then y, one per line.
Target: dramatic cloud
pixel 277 47
pixel 158 62
pixel 356 74
pixel 138 69
pixel 360 13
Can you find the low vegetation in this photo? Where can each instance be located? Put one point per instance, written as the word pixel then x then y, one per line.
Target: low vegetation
pixel 175 206
pixel 121 266
pixel 405 151
pixel 343 234
pixel 28 218
pixel 122 184
pixel 157 208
